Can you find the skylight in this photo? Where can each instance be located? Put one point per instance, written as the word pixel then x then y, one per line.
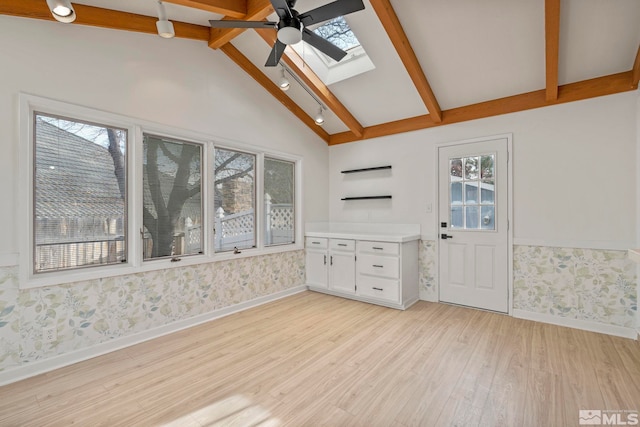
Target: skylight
pixel 338 32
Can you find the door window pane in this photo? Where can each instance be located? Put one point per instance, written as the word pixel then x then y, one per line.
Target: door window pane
pixel 487 216
pixel 279 177
pixel 471 193
pixel 172 212
pixel 234 200
pixel 457 220
pixel 80 194
pixel 473 208
pixel 471 168
pixel 456 193
pixel 455 169
pixel 488 192
pixel 487 170
pixel 471 217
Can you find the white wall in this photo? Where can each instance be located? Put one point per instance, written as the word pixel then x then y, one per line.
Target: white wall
pixel 178 83
pixel 574 173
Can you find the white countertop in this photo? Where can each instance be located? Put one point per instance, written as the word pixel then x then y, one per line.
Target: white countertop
pixel 397 233
pixel 634 255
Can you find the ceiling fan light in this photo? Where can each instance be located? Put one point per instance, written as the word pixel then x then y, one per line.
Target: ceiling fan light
pixel 290 35
pixel 62 10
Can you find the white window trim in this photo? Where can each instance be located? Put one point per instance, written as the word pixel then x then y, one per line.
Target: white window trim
pixel 135 129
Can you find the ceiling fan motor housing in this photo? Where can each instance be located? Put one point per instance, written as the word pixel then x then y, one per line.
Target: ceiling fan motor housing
pixel 290 29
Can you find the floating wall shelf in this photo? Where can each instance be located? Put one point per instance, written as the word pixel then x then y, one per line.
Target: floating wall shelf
pixel 367 169
pixel 366 198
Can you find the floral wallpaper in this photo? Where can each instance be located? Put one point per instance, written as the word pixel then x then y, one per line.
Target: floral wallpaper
pixel 91 312
pixel 428 272
pixel 583 284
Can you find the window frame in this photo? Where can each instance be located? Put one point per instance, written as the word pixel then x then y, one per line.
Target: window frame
pixel 257 212
pixel 203 194
pixel 32 142
pixel 28 104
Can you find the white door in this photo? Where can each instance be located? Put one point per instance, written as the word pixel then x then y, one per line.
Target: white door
pixel 473 220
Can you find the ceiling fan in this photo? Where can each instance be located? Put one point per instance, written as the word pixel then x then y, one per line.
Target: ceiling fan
pixel 292 26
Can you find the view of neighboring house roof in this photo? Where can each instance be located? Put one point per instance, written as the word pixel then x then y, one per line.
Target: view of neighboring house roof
pixel 74 176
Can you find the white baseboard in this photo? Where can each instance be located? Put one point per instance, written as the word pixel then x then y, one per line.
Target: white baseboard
pixel 41 366
pixel 618 331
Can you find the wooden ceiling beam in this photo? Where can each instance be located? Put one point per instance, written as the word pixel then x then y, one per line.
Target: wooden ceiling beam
pixel 313 82
pixel 232 8
pixel 396 33
pixel 104 18
pixel 244 63
pixel 601 86
pixel 257 10
pixel 552 46
pixel 636 70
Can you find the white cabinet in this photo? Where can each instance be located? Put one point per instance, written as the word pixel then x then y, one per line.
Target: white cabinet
pixel 316 262
pixel 331 264
pixel 384 273
pixel 342 266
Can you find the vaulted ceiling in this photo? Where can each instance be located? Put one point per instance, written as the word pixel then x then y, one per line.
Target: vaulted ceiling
pixel 437 61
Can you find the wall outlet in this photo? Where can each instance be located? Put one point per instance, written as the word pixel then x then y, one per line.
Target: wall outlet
pixel 429 207
pixel 49 334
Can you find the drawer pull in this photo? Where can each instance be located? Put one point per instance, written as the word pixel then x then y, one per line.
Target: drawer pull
pixel 378 289
pixel 377 248
pixel 342 244
pixel 378 266
pixel 315 243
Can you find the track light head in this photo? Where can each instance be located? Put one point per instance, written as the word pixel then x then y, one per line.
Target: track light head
pixel 319 118
pixel 283 82
pixel 62 10
pixel 163 25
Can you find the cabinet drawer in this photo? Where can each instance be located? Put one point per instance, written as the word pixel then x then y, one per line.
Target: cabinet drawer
pixel 316 242
pixel 381 266
pixel 342 245
pixel 382 248
pixel 373 287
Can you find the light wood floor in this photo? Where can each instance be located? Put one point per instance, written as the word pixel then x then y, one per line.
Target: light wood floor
pixel 313 359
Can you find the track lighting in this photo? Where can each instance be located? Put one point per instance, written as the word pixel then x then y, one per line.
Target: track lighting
pixel 62 10
pixel 283 83
pixel 319 118
pixel 164 26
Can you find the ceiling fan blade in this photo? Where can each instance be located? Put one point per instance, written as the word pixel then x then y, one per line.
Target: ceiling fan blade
pixel 323 45
pixel 229 23
pixel 276 54
pixel 330 11
pixel 282 8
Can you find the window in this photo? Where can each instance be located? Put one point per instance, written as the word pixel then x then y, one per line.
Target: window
pixel 338 32
pixel 234 200
pixel 80 197
pixel 279 206
pixel 172 200
pixel 107 195
pixel 472 183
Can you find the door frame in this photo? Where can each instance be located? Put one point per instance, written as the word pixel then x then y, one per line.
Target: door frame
pixel 509 138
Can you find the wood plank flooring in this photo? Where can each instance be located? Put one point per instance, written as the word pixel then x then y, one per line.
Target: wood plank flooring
pixel 317 360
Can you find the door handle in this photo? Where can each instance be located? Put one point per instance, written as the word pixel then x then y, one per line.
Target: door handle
pixel 444 236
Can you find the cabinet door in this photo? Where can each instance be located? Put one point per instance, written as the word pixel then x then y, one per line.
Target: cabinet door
pixel 342 272
pixel 316 268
